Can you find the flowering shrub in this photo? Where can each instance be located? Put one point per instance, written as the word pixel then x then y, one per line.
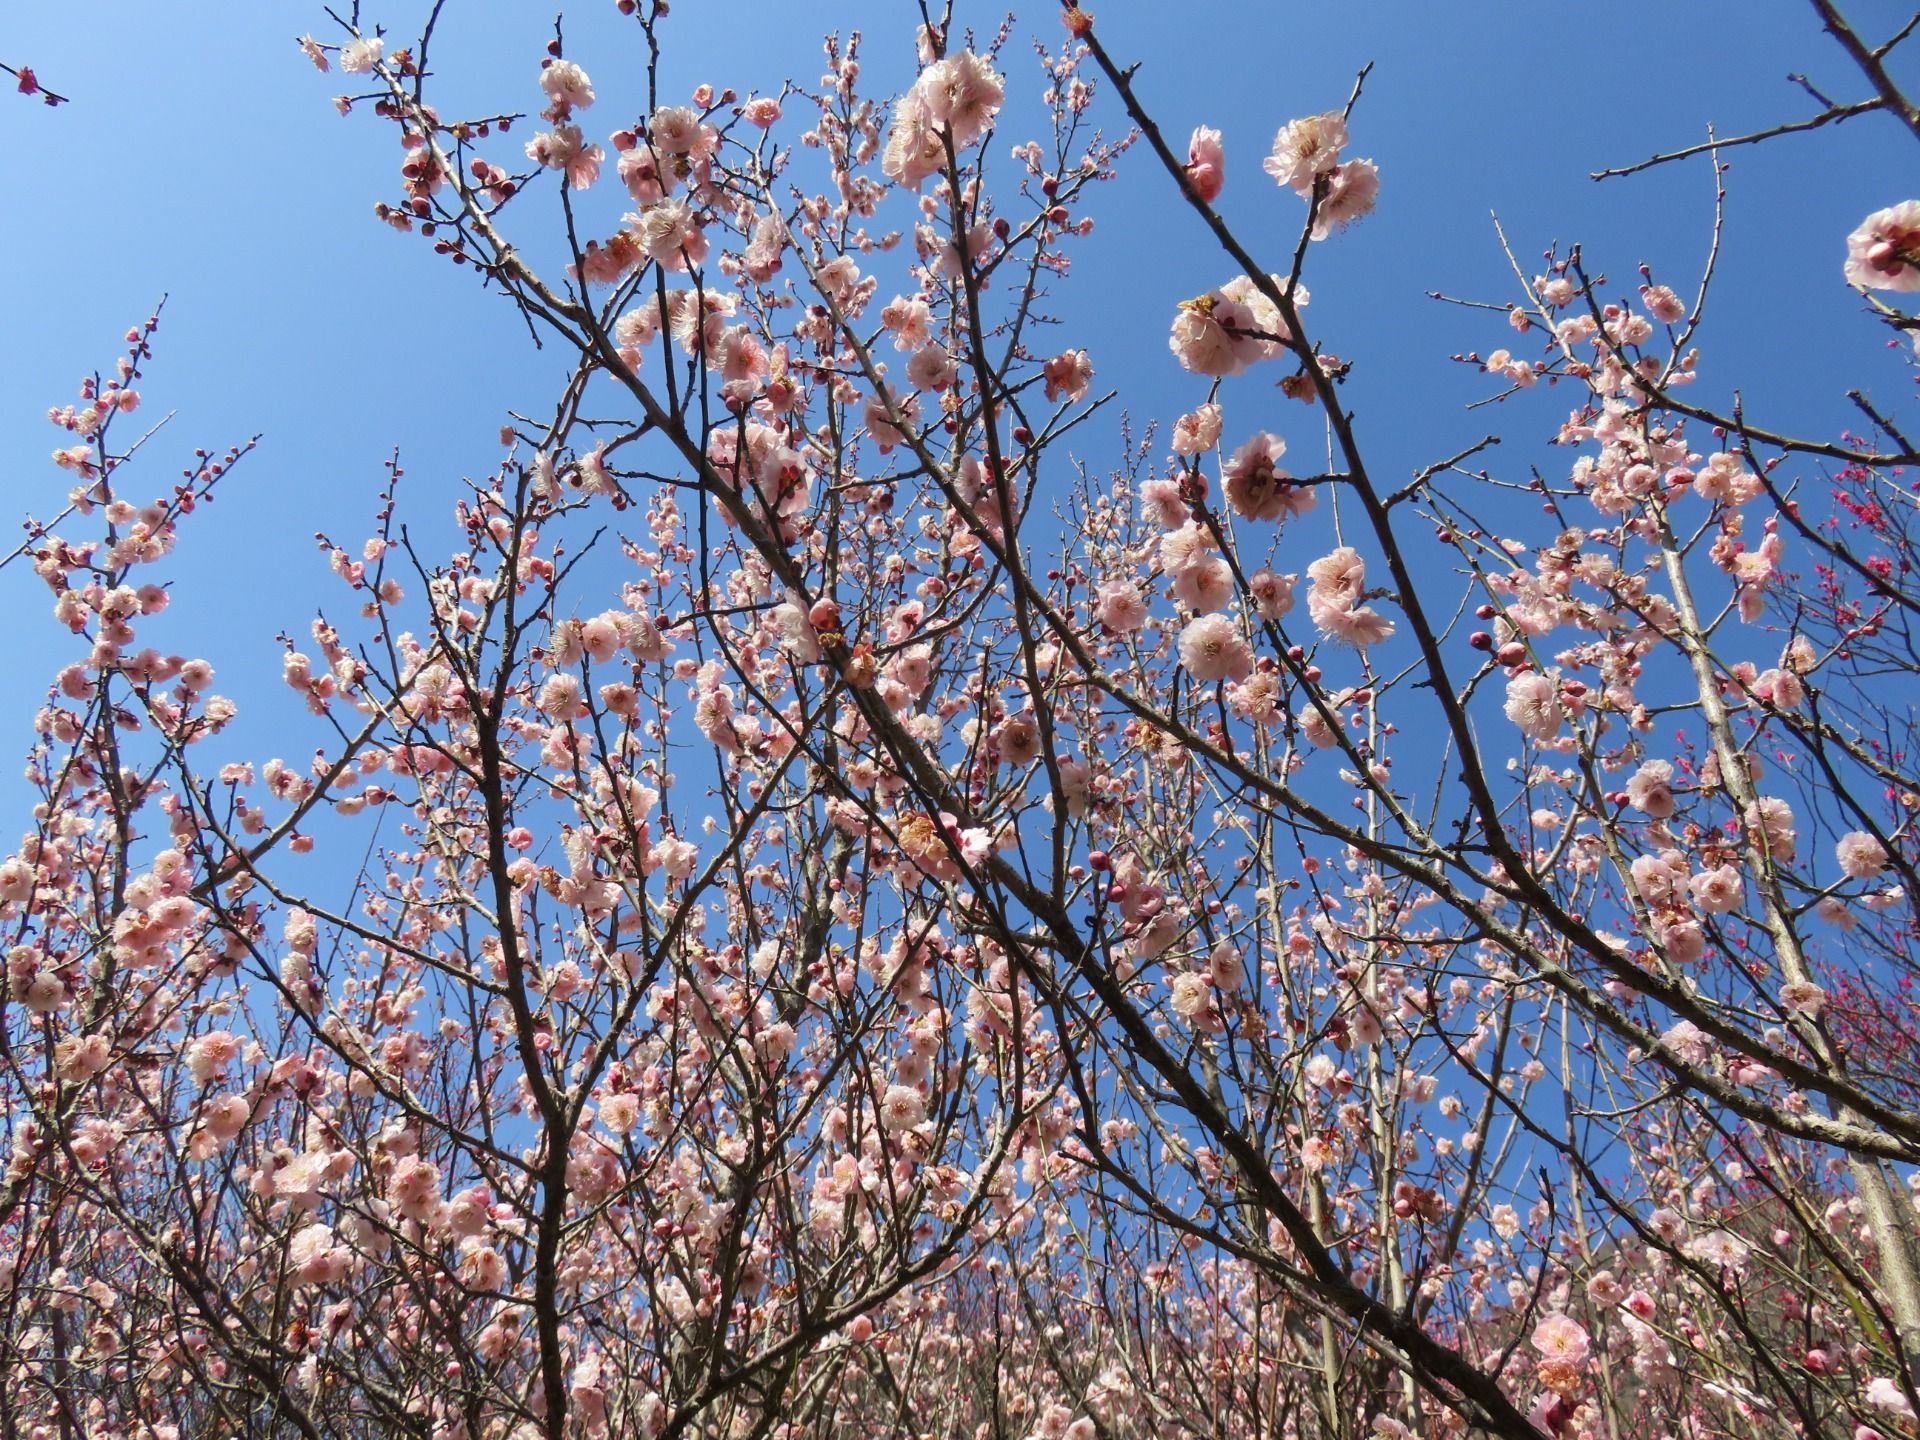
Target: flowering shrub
pixel 871 927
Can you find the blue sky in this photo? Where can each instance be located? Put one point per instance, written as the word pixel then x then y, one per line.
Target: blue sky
pixel 200 157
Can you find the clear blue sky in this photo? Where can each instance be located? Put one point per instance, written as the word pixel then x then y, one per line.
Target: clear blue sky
pixel 200 157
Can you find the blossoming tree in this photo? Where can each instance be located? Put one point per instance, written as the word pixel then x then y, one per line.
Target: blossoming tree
pixel 871 927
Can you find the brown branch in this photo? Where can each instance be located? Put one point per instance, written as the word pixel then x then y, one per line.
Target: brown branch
pixel 1870 64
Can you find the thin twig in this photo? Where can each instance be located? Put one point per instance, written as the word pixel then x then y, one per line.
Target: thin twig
pixel 1423 476
pixel 1827 117
pixel 29 84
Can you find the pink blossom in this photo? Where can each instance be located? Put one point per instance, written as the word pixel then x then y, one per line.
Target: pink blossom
pixel 1205 585
pixel 763 256
pixel 600 637
pixel 1272 594
pixel 80 1057
pixel 315 1259
pixel 1184 547
pixel 675 130
pixel 961 92
pixel 1770 820
pixel 644 640
pixel 1257 488
pixel 1121 607
pixel 1781 688
pixel 1321 733
pixel 797 634
pixel 902 1108
pixel 1351 193
pixel 640 172
pixel 675 856
pixel 1017 740
pixel 932 369
pixel 1333 599
pixel 484 1268
pixel 1562 1339
pixel 1226 968
pixel 880 424
pixel 910 321
pixel 1685 942
pixel 1211 649
pixel 563 148
pixel 1665 306
pixel 414 1188
pixel 1160 502
pixel 1228 329
pixel 914 150
pixel 1189 994
pixel 208 1055
pixel 1257 699
pixel 1201 341
pixel 839 280
pixel 566 85
pixel 1533 703
pixel 638 326
pixel 1338 577
pixel 1718 890
pixel 1884 252
pixel 560 697
pixel 1359 627
pixel 225 1116
pixel 359 56
pixel 1307 148
pixel 1198 431
pixel 1725 478
pixel 1066 376
pixel 620 1113
pixel 1650 790
pixel 670 233
pixel 913 669
pixel 1206 164
pixel 1885 1394
pixel 1861 856
pixel 1803 997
